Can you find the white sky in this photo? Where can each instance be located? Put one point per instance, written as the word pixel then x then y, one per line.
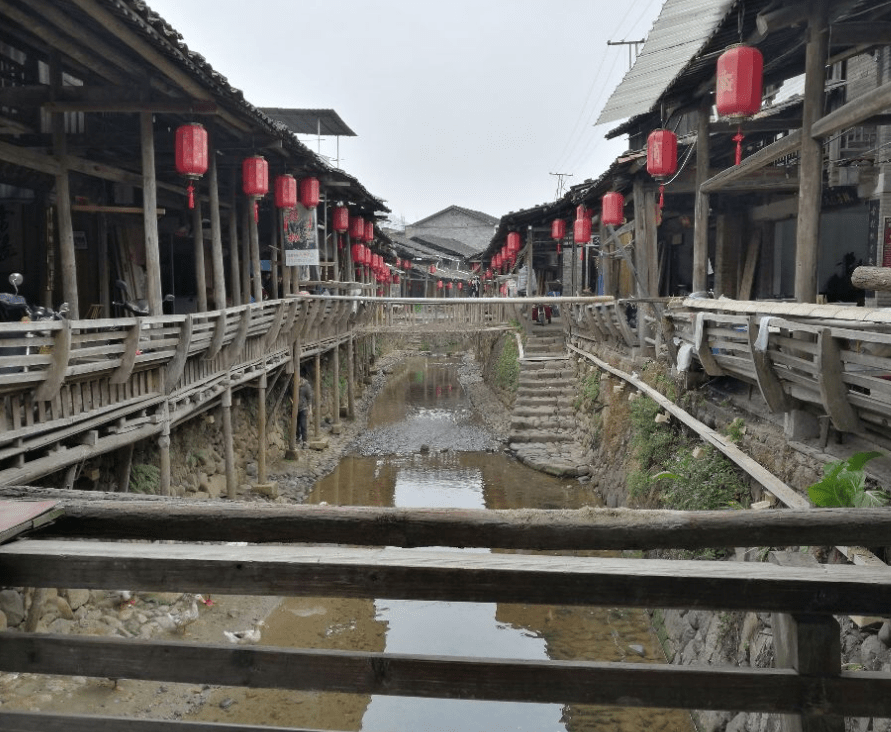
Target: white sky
pixel 472 103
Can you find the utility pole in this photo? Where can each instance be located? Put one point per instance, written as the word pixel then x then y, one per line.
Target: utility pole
pixel 632 52
pixel 560 177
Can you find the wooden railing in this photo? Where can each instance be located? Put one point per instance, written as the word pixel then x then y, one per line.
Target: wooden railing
pixel 367 553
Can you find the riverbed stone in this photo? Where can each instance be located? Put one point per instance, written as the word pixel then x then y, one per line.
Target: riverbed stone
pixel 13 606
pixel 76 597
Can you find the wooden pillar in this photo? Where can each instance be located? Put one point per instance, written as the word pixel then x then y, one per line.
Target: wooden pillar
pixel 274 218
pixel 104 270
pixel 216 237
pixel 529 290
pixel 228 444
pixel 150 215
pixel 164 453
pixel 247 212
pixel 295 401
pixel 335 370
pixel 317 398
pixel 810 190
pixel 351 378
pixel 809 644
pixel 122 464
pixel 67 254
pixel 728 242
pixel 261 429
pixel 234 250
pixel 700 212
pixel 257 281
pixel 280 238
pixel 198 244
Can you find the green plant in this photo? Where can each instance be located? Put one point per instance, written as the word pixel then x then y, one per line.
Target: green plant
pixel 507 368
pixel 145 478
pixel 709 482
pixel 735 430
pixel 844 484
pixel 589 392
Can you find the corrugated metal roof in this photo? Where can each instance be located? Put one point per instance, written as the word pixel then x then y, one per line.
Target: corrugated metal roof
pixel 680 32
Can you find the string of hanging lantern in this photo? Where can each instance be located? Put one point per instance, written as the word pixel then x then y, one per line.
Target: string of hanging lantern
pixel 255 180
pixel 739 87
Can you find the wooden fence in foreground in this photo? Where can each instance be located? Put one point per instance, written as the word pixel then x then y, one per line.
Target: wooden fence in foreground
pixel 373 553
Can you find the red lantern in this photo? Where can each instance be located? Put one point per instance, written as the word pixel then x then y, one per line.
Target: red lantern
pixel 191 155
pixel 285 191
pixel 558 229
pixel 513 242
pixel 309 192
pixel 432 269
pixel 448 285
pixel 611 213
pixel 369 231
pixel 488 274
pixel 460 285
pixel 255 179
pixel 357 228
pixel 357 253
pixel 340 219
pixel 739 86
pixel 438 284
pixel 581 228
pixel 662 158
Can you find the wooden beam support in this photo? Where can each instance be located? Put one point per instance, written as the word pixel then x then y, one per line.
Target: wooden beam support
pixel 188 107
pixel 765 156
pixel 853 33
pixel 768 384
pixel 61 352
pixel 703 350
pixel 833 390
pixel 128 358
pixel 699 277
pixel 176 366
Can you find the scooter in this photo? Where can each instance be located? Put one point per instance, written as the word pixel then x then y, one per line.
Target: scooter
pixel 139 309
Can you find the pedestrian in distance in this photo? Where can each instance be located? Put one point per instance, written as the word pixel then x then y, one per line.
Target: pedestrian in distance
pixel 304 401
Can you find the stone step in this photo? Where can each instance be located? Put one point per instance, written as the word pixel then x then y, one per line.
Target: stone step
pixel 519 423
pixel 542 460
pixel 540 436
pixel 545 393
pixel 565 415
pixel 544 374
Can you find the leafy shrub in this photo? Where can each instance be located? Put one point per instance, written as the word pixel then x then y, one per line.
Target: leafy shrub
pixel 145 478
pixel 844 484
pixel 507 369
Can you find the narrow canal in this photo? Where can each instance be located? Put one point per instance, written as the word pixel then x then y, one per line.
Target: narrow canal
pixel 426 447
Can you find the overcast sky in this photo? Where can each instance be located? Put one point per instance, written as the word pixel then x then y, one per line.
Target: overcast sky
pixel 472 103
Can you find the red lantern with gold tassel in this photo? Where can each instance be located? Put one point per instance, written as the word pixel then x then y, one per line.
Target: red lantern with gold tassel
pixel 255 179
pixel 558 231
pixel 513 243
pixel 611 213
pixel 309 192
pixel 662 158
pixel 191 155
pixel 739 78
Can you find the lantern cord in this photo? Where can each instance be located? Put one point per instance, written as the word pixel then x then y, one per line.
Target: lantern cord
pixel 256 211
pixel 738 138
pixel 191 190
pixel 661 195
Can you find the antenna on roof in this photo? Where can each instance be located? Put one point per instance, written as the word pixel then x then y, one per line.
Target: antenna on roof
pixel 632 53
pixel 560 177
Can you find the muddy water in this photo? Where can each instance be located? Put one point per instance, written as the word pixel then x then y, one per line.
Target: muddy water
pixel 425 447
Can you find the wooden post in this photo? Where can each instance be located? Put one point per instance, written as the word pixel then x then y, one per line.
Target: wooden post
pixel 63 200
pixel 280 238
pixel 317 398
pixel 335 391
pixel 234 250
pixel 257 281
pixel 811 162
pixel 261 429
pixel 150 214
pixel 872 278
pixel 104 270
pixel 198 243
pixel 216 237
pixel 700 212
pixel 228 445
pixel 276 247
pixel 810 644
pixel 295 401
pixel 247 212
pixel 164 452
pixel 728 242
pixel 122 463
pixel 351 378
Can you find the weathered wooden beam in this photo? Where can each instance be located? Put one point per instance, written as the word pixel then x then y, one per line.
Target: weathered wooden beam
pixel 415 574
pixel 854 112
pixel 175 367
pixel 186 107
pixel 61 352
pixel 128 357
pixel 833 390
pixel 853 33
pixel 703 350
pixel 101 516
pixel 765 156
pixel 38 722
pixel 768 384
pixel 363 672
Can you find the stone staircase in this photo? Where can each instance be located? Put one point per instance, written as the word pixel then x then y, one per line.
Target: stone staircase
pixel 542 432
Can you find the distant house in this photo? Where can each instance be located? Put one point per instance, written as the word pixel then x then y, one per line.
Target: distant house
pixel 472 228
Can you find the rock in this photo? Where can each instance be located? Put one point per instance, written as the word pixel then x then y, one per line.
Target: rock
pixel 638 649
pixel 63 608
pixel 269 490
pixel 13 606
pixel 885 634
pixel 217 486
pixel 3 625
pixel 250 470
pixel 77 597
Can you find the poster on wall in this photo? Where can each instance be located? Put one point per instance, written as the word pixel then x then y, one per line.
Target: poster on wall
pixel 300 237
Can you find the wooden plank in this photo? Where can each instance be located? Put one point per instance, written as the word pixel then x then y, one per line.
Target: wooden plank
pixel 768 384
pixel 765 156
pixel 703 350
pixel 560 682
pixel 414 574
pixel 833 391
pixel 17 517
pixel 100 515
pixel 174 370
pixel 61 352
pixel 37 722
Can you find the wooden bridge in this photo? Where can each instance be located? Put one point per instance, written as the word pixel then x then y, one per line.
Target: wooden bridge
pixel 73 388
pixel 380 553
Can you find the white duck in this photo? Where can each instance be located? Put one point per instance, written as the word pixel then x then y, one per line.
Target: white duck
pixel 179 621
pixel 245 637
